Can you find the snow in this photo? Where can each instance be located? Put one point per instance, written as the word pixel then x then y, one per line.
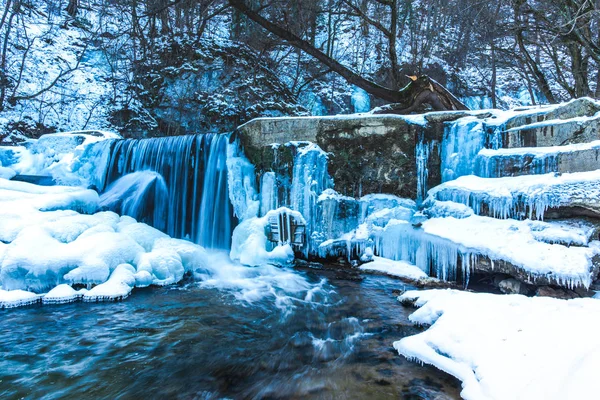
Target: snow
pixel 508 346
pixel 557 121
pixel 442 209
pixel 528 160
pixel 6 173
pixel 401 269
pixel 117 287
pixel 506 197
pixel 70 158
pixel 63 293
pixel 360 100
pixel 541 151
pixel 566 232
pixel 413 119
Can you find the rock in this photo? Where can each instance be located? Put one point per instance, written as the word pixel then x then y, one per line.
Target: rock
pixel 418 218
pixel 559 293
pixel 513 286
pixel 520 133
pixel 368 153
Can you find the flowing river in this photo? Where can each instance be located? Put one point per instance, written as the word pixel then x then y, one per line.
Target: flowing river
pixel 257 334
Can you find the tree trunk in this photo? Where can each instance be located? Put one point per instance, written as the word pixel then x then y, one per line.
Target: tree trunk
pixel 73 8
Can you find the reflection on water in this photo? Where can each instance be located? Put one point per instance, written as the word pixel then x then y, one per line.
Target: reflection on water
pixel 331 339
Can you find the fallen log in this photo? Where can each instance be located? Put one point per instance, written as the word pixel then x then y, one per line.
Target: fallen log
pixel 420 92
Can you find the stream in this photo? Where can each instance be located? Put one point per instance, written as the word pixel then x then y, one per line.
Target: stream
pixel 207 340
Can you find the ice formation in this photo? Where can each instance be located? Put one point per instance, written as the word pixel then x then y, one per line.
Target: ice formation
pixel 346 225
pixel 487 340
pixel 423 150
pixel 43 249
pixel 63 293
pixel 528 195
pixel 310 179
pixel 242 183
pixel 462 142
pixel 51 251
pixel 70 158
pixel 17 298
pixel 448 248
pixel 251 247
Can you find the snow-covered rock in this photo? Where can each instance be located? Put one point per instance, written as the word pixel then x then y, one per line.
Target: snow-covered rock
pixel 400 269
pixel 63 293
pixel 507 346
pixel 446 246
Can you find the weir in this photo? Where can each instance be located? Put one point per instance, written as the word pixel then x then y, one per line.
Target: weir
pixel 192 193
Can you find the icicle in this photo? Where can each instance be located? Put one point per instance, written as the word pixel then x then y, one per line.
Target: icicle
pixel 497 165
pixel 422 153
pixel 268 193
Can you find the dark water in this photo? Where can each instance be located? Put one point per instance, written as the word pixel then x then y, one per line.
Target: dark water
pixel 196 342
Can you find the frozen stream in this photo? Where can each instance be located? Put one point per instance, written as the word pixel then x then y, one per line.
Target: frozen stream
pixel 200 341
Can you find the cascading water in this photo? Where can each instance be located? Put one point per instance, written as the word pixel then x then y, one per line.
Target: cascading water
pixel 193 170
pixel 142 195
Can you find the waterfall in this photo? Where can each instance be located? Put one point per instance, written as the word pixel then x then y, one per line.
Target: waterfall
pixel 193 171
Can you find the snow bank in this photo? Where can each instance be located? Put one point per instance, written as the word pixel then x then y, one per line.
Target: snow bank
pixel 117 287
pixel 17 298
pixel 42 250
pixel 63 293
pixel 508 346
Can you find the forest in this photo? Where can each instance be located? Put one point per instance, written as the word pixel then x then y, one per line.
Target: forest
pixel 151 66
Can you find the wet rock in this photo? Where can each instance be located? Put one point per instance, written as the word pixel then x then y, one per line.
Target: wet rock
pixel 424 389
